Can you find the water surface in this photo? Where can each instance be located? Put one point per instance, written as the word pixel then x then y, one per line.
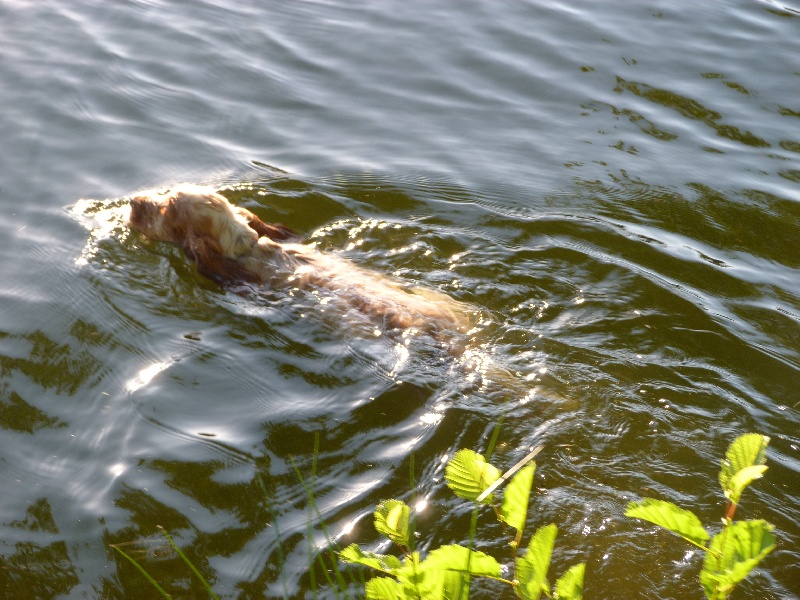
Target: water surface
pixel 613 186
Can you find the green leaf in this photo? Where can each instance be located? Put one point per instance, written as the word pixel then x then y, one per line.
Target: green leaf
pixel 733 553
pixel 669 516
pixel 532 568
pixel 444 574
pixel 419 581
pixel 384 588
pixel 570 585
pixel 391 519
pixel 741 479
pixel 468 475
pixel 516 496
pixel 435 584
pixel 745 451
pixel 385 563
pixel 459 558
pixel 454 586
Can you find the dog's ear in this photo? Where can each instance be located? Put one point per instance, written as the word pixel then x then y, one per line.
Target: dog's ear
pixel 277 232
pixel 207 255
pixel 176 223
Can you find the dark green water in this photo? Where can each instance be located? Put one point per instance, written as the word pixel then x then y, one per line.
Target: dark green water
pixel 614 186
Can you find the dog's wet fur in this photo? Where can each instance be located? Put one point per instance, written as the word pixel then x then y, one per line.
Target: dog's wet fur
pixel 232 246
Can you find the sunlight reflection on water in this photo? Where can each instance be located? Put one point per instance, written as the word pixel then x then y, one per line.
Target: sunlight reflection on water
pixel 103 219
pixel 621 208
pixel 144 376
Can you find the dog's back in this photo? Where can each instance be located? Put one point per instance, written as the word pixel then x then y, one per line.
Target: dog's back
pixel 232 245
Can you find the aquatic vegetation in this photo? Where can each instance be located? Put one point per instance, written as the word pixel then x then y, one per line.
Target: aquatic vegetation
pixel 447 572
pixel 183 557
pixel 739 546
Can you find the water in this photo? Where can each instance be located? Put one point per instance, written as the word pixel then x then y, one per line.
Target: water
pixel 613 186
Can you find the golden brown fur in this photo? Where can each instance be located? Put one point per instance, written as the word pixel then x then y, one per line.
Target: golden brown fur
pixel 232 245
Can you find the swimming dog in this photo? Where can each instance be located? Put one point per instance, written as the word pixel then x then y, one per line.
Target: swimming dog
pixel 232 246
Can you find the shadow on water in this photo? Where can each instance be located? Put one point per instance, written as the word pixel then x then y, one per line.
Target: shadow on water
pixel 609 334
pixel 633 322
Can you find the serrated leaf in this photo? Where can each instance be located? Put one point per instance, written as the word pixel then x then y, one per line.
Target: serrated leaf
pixel 516 497
pixel 745 451
pixel 671 517
pixel 410 574
pixel 733 553
pixel 468 475
pixel 381 562
pixel 384 588
pixel 454 586
pixel 391 519
pixel 570 585
pixel 419 581
pixel 458 558
pixel 532 568
pixel 445 573
pixel 426 580
pixel 740 480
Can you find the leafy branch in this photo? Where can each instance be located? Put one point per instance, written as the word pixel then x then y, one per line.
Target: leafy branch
pixel 738 548
pixel 446 572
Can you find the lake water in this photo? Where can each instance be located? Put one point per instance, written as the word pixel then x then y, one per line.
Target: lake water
pixel 615 187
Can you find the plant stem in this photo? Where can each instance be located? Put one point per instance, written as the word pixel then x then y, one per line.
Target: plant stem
pixel 473 526
pixel 412 524
pixel 189 563
pixel 493 439
pixel 313 508
pixel 141 570
pixel 271 513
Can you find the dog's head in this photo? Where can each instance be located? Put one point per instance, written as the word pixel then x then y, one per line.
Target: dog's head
pixel 193 216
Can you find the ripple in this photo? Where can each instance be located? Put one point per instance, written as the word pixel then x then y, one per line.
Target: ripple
pixel 620 209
